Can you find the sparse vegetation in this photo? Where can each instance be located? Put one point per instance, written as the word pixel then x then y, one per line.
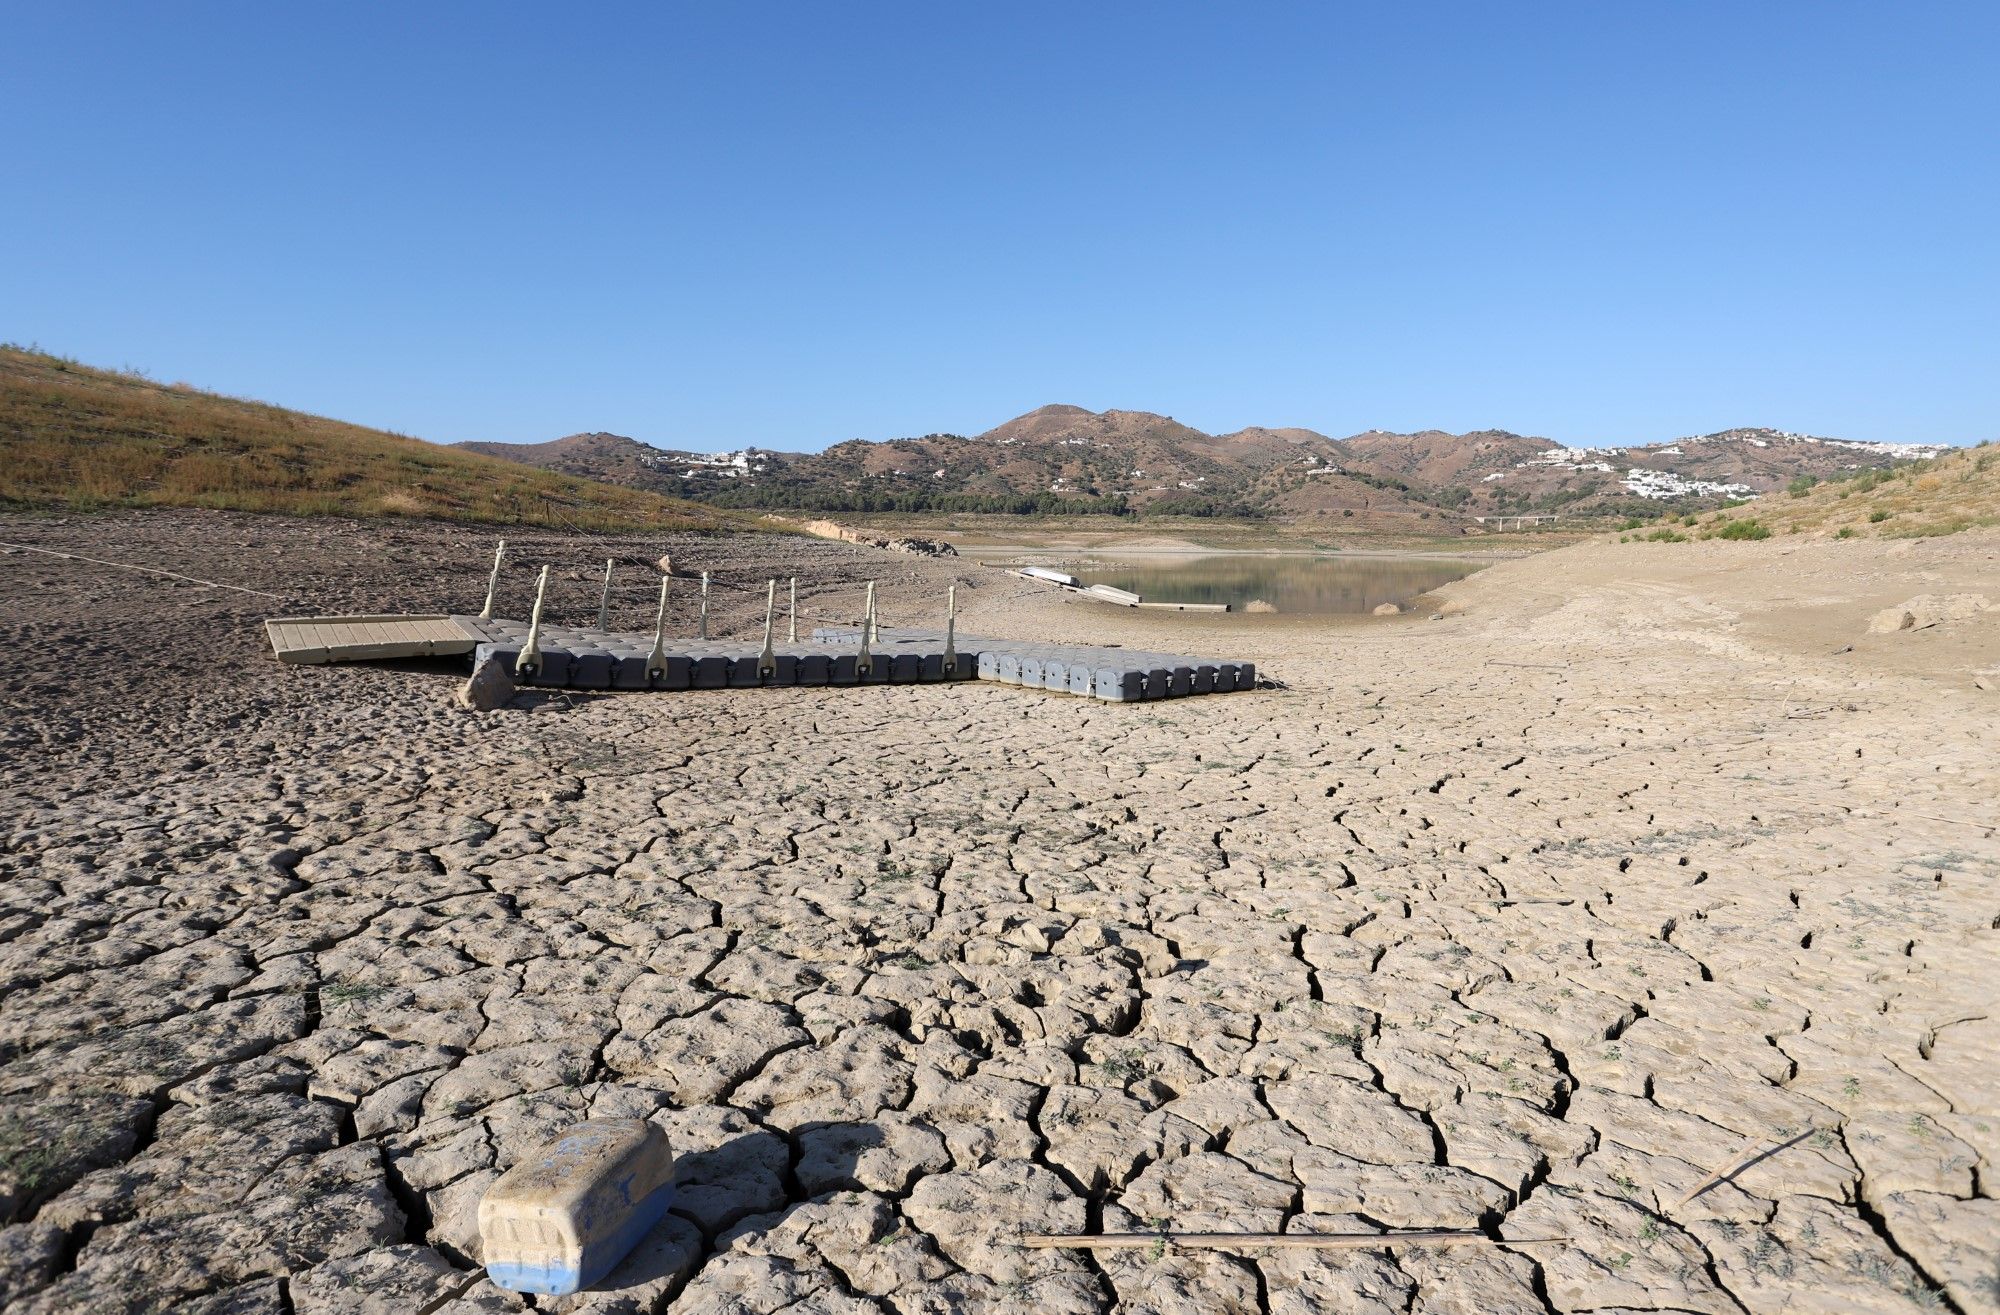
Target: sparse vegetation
pixel 1913 499
pixel 1748 528
pixel 335 997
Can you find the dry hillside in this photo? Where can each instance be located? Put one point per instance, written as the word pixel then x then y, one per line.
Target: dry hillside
pixel 1915 500
pixel 83 438
pixel 1955 492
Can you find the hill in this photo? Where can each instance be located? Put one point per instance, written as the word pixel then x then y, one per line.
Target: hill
pixel 80 437
pixel 1070 459
pixel 1913 500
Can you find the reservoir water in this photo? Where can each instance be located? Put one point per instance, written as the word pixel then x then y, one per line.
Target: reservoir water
pixel 1292 584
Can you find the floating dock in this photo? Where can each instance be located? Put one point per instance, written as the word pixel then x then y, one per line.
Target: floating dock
pixel 563 657
pixel 591 659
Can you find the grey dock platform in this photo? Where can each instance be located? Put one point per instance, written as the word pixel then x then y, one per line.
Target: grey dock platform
pixel 588 659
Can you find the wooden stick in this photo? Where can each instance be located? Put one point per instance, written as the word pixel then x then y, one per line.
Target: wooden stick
pixel 1959 821
pixel 1315 1241
pixel 1765 1153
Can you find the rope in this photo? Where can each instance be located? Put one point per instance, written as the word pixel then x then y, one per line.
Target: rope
pixel 149 570
pixel 805 612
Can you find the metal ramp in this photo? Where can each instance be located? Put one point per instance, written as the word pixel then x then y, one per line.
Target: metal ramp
pixel 313 640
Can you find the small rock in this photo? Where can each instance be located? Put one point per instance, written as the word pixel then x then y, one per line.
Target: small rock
pixel 490 688
pixel 1388 609
pixel 1987 679
pixel 1926 610
pixel 396 1278
pixel 1259 605
pixel 28 1256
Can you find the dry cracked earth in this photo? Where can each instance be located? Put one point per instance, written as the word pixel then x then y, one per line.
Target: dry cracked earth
pixel 1524 920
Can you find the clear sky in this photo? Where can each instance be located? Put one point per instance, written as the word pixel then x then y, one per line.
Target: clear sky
pixel 784 224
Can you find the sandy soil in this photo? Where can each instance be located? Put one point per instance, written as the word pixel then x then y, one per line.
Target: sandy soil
pixel 1639 861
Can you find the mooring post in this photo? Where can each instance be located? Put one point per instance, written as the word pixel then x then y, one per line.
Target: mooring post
pixel 656 662
pixel 767 661
pixel 950 629
pixel 862 664
pixel 530 660
pixel 795 610
pixel 493 581
pixel 604 600
pixel 704 604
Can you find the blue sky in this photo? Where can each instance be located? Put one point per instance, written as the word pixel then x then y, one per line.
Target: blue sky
pixel 790 224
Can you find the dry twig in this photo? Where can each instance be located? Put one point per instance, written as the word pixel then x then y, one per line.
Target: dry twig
pixel 1723 1175
pixel 1314 1241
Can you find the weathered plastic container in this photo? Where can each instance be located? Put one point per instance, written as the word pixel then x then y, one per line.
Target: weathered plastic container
pixel 564 1217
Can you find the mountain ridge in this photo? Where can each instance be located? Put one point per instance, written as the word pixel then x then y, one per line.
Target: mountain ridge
pixel 1063 457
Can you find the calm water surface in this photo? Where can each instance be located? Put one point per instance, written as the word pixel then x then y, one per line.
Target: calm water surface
pixel 1313 585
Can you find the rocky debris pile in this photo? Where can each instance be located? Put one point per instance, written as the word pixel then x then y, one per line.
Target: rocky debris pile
pixel 914 546
pixel 917 547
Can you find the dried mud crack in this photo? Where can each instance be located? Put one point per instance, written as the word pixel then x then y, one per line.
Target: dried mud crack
pixel 296 962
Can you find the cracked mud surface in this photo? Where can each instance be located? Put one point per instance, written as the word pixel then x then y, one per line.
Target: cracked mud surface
pixel 1525 920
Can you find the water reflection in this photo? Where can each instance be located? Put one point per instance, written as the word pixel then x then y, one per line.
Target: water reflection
pixel 1314 585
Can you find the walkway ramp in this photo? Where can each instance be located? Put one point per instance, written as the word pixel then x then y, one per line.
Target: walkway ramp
pixel 312 640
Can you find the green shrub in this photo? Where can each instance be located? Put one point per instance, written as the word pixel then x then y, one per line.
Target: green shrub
pixel 1846 532
pixel 1801 486
pixel 1877 517
pixel 1744 529
pixel 1666 535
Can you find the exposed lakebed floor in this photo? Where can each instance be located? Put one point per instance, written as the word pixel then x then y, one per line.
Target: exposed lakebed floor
pixel 294 961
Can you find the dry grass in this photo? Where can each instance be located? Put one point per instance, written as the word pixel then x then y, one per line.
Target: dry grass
pixel 1917 499
pixel 81 438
